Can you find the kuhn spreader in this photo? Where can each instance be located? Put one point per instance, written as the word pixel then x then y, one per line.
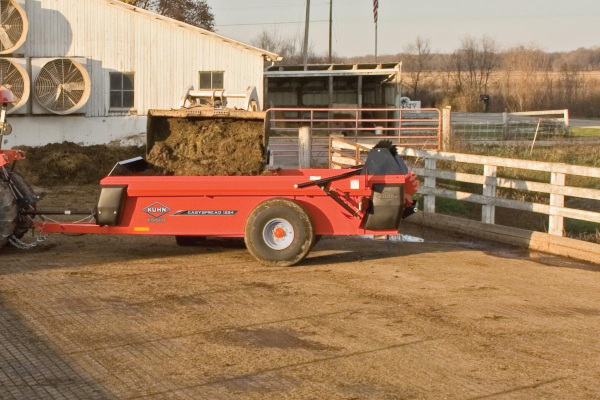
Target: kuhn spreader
pixel 280 216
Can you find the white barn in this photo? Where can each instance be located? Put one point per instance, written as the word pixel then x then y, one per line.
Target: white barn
pixel 136 60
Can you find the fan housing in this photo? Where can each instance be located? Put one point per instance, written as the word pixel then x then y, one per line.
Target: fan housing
pixel 13 26
pixel 15 77
pixel 62 86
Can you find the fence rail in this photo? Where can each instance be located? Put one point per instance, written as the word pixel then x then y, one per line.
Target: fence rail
pixel 556 188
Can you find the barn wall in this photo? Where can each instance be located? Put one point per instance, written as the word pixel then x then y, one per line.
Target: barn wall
pixel 40 130
pixel 165 56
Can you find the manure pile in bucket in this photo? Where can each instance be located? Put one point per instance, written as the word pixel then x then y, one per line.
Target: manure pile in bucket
pixel 210 147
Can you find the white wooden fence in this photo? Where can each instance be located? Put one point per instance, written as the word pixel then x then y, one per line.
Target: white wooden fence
pixel 343 152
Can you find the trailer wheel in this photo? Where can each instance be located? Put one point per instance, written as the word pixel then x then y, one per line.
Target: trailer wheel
pixel 186 241
pixel 8 214
pixel 279 233
pixel 23 190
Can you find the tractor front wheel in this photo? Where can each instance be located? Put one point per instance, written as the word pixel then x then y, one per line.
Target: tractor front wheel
pixel 8 214
pixel 279 233
pixel 23 192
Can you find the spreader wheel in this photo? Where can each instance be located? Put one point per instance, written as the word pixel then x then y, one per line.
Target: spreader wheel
pixel 8 214
pixel 189 240
pixel 22 191
pixel 279 233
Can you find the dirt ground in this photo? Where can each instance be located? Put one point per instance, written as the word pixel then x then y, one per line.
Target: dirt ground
pixel 128 318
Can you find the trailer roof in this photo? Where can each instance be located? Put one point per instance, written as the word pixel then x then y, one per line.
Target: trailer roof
pixel 313 70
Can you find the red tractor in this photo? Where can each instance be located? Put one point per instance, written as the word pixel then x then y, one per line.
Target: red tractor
pixel 280 216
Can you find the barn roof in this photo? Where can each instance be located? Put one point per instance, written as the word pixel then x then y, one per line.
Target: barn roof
pixel 315 70
pixel 152 15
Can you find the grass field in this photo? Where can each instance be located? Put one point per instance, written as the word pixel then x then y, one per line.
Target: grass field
pixel 579 131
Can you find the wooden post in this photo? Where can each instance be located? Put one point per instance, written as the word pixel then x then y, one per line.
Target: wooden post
pixel 446 128
pixel 505 124
pixel 304 147
pixel 429 204
pixel 488 211
pixel 556 223
pixel 567 123
pixel 535 137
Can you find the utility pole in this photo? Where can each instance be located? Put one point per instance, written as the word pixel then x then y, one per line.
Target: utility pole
pixel 375 41
pixel 376 18
pixel 330 31
pixel 306 26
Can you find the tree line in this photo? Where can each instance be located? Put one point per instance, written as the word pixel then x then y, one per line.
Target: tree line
pixel 518 78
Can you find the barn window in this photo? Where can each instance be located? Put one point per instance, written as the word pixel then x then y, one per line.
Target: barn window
pixel 122 90
pixel 212 80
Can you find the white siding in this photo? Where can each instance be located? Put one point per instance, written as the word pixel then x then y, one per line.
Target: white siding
pixel 165 56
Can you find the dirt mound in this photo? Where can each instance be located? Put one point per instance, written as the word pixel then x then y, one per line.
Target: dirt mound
pixel 210 147
pixel 71 164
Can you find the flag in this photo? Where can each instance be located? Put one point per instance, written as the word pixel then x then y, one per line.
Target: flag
pixel 375 9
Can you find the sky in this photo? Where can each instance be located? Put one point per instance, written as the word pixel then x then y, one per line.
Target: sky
pixel 553 25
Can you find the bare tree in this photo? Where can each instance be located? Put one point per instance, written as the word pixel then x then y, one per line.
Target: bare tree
pixel 526 83
pixel 416 61
pixel 285 46
pixel 194 12
pixel 473 64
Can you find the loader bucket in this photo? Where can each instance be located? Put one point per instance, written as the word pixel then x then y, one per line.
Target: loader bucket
pixel 207 141
pixel 158 121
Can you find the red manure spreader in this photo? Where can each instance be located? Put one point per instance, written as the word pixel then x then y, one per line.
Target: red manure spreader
pixel 280 216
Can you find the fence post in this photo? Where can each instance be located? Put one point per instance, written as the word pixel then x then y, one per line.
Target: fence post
pixel 429 203
pixel 446 128
pixel 557 223
pixel 304 147
pixel 567 123
pixel 488 211
pixel 505 124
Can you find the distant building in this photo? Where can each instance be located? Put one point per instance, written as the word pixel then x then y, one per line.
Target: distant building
pixel 334 85
pixel 88 71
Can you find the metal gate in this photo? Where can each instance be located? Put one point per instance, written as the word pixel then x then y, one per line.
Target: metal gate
pixel 416 128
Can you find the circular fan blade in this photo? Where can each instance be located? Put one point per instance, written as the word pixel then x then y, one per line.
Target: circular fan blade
pixel 62 86
pixel 15 78
pixel 13 26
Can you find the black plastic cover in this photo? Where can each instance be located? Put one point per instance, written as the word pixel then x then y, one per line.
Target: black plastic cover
pixel 110 205
pixel 387 207
pixel 381 161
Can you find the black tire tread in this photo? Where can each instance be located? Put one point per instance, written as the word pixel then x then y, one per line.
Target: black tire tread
pixel 8 214
pixel 24 223
pixel 253 232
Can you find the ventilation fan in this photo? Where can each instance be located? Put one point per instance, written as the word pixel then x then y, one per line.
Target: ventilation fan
pixel 13 26
pixel 15 78
pixel 62 86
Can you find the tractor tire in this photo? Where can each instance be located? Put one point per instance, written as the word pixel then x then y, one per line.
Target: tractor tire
pixel 24 190
pixel 8 214
pixel 187 241
pixel 279 233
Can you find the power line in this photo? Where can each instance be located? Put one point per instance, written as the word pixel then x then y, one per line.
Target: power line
pixel 275 23
pixel 271 6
